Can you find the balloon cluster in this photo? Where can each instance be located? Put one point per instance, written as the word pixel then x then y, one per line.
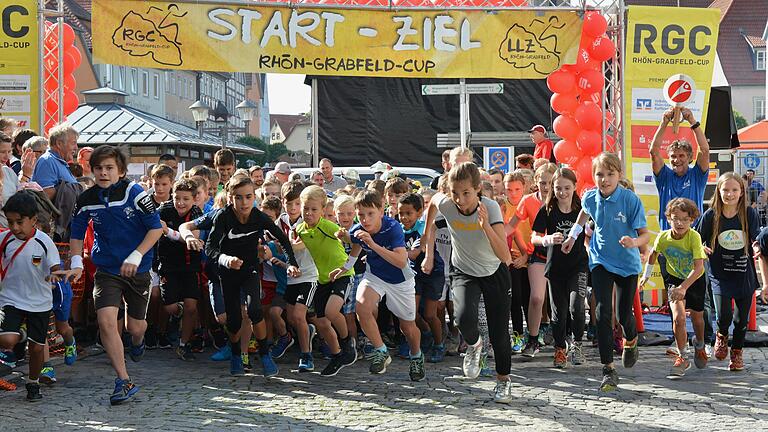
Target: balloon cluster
pixel 70 62
pixel 578 99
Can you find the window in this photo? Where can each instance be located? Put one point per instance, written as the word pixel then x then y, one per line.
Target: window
pixel 145 83
pixel 156 86
pixel 760 60
pixel 120 78
pixel 759 108
pixel 166 75
pixel 134 81
pixel 108 76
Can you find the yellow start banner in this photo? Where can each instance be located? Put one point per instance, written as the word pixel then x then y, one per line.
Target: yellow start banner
pixel 315 41
pixel 19 61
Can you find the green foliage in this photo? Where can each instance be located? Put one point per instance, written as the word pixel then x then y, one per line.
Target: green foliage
pixel 741 122
pixel 271 152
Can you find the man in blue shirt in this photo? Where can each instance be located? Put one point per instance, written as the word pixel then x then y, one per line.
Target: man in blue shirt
pixel 52 167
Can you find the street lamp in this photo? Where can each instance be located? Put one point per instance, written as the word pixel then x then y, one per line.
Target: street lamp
pixel 200 112
pixel 247 111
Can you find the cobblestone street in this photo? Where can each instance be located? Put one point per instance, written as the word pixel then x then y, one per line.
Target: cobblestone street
pixel 201 395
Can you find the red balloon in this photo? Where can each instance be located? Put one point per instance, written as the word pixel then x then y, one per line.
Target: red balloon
pixel 71 101
pixel 589 142
pixel 560 81
pixel 588 116
pixel 566 152
pixel 590 81
pixel 602 49
pixel 564 103
pixel 583 168
pixel 566 127
pixel 75 53
pixel 70 83
pixel 69 63
pixel 594 24
pixel 582 60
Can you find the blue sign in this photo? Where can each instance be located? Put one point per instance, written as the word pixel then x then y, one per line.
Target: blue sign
pixel 751 160
pixel 499 157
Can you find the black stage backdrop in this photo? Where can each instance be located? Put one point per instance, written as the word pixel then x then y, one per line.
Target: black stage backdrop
pixel 363 120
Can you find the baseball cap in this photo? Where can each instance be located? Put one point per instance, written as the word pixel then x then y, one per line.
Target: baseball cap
pixel 283 168
pixel 538 128
pixel 379 167
pixel 352 174
pixel 84 150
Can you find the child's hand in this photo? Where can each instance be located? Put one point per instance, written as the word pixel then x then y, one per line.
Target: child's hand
pixel 72 275
pixel 627 242
pixel 482 215
pixel 427 264
pixel 366 238
pixel 643 281
pixel 677 294
pixel 756 250
pixel 236 263
pixel 343 235
pixel 707 250
pixel 194 244
pixel 293 271
pixel 520 261
pixel 553 239
pixel 128 269
pixel 568 245
pixel 336 273
pixel 165 227
pixel 276 261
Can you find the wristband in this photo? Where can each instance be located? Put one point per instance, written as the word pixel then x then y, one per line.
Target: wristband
pixel 548 240
pixel 76 262
pixel 173 235
pixel 647 271
pixel 226 260
pixel 350 262
pixel 576 229
pixel 695 125
pixel 134 258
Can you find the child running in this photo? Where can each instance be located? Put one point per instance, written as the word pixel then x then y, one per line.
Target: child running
pixel 479 259
pixel 614 258
pixel 567 274
pixel 684 280
pixel 344 207
pixel 728 229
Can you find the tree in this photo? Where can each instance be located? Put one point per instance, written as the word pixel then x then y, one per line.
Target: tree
pixel 741 122
pixel 271 152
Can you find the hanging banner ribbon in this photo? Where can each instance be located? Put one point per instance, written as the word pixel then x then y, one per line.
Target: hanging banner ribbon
pixel 339 42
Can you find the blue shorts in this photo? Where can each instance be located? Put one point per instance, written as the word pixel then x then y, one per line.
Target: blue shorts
pixel 62 300
pixel 351 299
pixel 430 286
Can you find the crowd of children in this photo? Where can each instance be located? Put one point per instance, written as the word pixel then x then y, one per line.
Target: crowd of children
pixel 258 268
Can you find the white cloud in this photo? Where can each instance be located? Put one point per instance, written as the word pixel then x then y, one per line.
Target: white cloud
pixel 288 94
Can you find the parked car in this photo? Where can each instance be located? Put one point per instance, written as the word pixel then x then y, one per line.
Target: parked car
pixel 422 175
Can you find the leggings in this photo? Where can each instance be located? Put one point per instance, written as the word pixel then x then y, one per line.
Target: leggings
pixel 495 291
pixel 567 295
pixel 521 294
pixel 231 283
pixel 739 315
pixel 602 285
pixel 482 324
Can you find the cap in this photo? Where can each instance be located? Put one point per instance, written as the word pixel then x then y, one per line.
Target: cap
pixel 84 150
pixel 283 168
pixel 297 176
pixel 538 128
pixel 390 174
pixel 379 167
pixel 352 174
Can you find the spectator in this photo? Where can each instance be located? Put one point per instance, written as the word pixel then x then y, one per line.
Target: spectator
pixel 282 171
pixel 256 173
pixel 351 176
pixel 84 160
pixel 8 126
pixel 76 169
pixel 331 183
pixel 170 160
pixel 19 138
pixel 524 161
pixel 318 178
pixel 544 146
pixel 8 179
pixel 755 188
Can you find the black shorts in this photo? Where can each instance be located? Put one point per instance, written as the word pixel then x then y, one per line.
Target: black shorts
pixel 37 323
pixel 339 287
pixel 302 293
pixel 430 286
pixel 694 296
pixel 539 255
pixel 113 291
pixel 175 287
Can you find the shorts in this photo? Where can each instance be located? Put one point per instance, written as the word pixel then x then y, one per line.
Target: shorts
pixel 154 278
pixel 37 323
pixel 350 301
pixel 176 287
pixel 278 301
pixel 401 297
pixel 537 259
pixel 268 292
pixel 339 288
pixel 430 287
pixel 62 300
pixel 694 295
pixel 301 293
pixel 112 290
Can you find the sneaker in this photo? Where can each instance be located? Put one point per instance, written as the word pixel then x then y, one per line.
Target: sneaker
pixel 416 368
pixel 281 346
pixel 629 355
pixel 236 366
pixel 163 342
pixel 306 364
pixel 518 343
pixel 124 390
pixel 8 358
pixel 334 366
pixel 403 350
pixel 253 346
pixel 737 360
pixel 672 350
pixel 185 352
pixel 721 346
pixel 137 351
pixel 325 351
pixel 561 359
pixel 577 354
pixel 219 338
pixel 246 358
pixel 388 341
pixel 591 332
pixel 678 369
pixel 610 379
pixel 427 340
pixel 196 344
pixel 368 350
pixel 700 357
pixel 471 366
pixel 33 392
pixel 546 335
pixel 150 338
pixel 268 365
pixel 503 392
pixel 485 368
pixel 438 354
pixel 312 334
pixel 349 352
pixel 223 354
pixel 451 346
pixel 379 362
pixel 47 375
pixel 618 342
pixel 531 348
pixel 70 353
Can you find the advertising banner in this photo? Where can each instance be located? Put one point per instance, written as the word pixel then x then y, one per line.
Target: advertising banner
pixel 338 42
pixel 19 60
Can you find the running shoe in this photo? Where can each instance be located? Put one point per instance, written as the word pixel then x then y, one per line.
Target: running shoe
pixel 334 366
pixel 268 365
pixel 163 342
pixel 416 368
pixel 137 351
pixel 672 350
pixel 8 358
pixel 185 352
pixel 70 353
pixel 223 354
pixel 561 359
pixel 737 360
pixel 471 365
pixel 403 350
pixel 349 352
pixel 591 332
pixel 503 392
pixel 236 366
pixel 427 340
pixel 47 375
pixel 629 355
pixel 253 346
pixel 451 346
pixel 379 362
pixel 546 335
pixel 247 367
pixel 518 343
pixel 438 354
pixel 485 367
pixel 700 357
pixel 33 392
pixel 124 390
pixel 281 346
pixel 610 380
pixel 679 367
pixel 325 350
pixel 368 350
pixel 577 354
pixel 721 346
pixel 150 338
pixel 306 363
pixel 532 347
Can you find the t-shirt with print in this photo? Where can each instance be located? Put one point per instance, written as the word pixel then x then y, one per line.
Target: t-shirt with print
pixel 303 257
pixel 326 249
pixel 527 209
pixel 389 236
pixel 690 185
pixel 25 286
pixel 680 254
pixel 616 216
pixel 471 251
pixel 731 268
pixel 413 241
pixel 443 242
pixel 560 265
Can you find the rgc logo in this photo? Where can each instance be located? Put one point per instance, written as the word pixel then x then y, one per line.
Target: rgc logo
pixel 139 36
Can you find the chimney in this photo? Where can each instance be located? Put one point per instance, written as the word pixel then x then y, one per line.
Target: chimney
pixel 104 95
